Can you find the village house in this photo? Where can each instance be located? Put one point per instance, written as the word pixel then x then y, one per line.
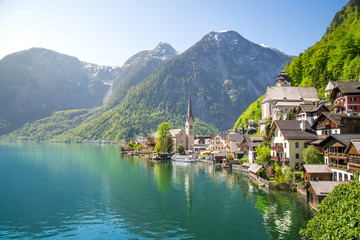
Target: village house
pixel 178 136
pixel 316 172
pixel 252 127
pixel 283 98
pixel 346 97
pixel 288 140
pixel 310 112
pixel 218 142
pixel 150 144
pixel 353 153
pixel 248 146
pixel 333 123
pixel 254 170
pixel 329 87
pixel 201 144
pixel 334 147
pixel 233 140
pixel 316 191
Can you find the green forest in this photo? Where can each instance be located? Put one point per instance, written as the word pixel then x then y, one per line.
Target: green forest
pixel 335 57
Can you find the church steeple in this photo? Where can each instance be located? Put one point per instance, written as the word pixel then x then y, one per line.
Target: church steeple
pixel 189 127
pixel 189 113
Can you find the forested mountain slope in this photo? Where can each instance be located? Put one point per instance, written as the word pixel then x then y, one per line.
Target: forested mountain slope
pixel 335 57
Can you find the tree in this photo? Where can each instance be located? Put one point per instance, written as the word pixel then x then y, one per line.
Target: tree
pixel 244 159
pixel 338 215
pixel 263 154
pixel 181 149
pixel 229 157
pixel 164 139
pixel 312 156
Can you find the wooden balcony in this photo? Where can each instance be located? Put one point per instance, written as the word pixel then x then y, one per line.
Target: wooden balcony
pixel 336 155
pixel 354 159
pixel 277 148
pixel 354 166
pixel 338 166
pixel 279 159
pixel 323 126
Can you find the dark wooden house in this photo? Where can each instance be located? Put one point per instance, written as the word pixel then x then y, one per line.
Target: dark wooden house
pixel 332 123
pixel 316 172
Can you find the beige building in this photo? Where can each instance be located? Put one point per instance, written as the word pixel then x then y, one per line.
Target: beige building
pixel 218 143
pixel 178 136
pixel 288 140
pixel 282 98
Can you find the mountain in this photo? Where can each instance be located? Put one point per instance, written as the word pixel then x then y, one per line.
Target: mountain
pixel 36 82
pixel 224 72
pixel 139 67
pixel 335 57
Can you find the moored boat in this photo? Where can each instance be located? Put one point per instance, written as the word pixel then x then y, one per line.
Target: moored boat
pixel 183 158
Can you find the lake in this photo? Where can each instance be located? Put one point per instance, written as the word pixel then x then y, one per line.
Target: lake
pixel 93 192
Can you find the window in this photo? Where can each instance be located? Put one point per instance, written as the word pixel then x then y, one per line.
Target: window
pixel 285 145
pixel 297 145
pixel 354 121
pixel 345 177
pixel 346 121
pixel 297 156
pixel 354 108
pixel 352 99
pixel 305 145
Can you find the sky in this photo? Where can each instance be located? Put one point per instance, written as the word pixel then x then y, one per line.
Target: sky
pixel 108 32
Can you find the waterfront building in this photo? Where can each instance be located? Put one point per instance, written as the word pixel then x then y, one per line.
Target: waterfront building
pixel 316 172
pixel 316 191
pixel 288 140
pixel 218 142
pixel 334 151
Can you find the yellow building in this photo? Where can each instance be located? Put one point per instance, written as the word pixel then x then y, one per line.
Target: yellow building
pixel 288 140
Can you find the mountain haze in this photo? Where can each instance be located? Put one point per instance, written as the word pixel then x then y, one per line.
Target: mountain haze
pixel 139 67
pixel 36 82
pixel 223 71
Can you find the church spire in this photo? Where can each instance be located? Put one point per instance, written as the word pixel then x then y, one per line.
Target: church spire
pixel 189 113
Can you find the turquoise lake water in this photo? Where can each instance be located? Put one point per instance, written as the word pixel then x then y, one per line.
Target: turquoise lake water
pixel 93 192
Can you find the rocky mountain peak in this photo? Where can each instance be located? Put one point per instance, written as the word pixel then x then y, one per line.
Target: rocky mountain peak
pixel 163 51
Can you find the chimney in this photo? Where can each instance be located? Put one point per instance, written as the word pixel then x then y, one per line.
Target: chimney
pixel 303 125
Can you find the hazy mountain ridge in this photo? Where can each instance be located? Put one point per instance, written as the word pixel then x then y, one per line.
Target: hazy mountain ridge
pixel 36 82
pixel 139 67
pixel 224 72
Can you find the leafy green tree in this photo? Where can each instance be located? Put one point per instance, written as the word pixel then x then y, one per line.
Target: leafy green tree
pixel 168 144
pixel 181 149
pixel 338 214
pixel 263 154
pixel 229 157
pixel 312 156
pixel 164 139
pixel 244 159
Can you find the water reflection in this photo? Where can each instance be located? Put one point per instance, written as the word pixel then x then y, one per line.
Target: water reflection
pixel 85 192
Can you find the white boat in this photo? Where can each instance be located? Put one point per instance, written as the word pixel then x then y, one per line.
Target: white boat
pixel 183 158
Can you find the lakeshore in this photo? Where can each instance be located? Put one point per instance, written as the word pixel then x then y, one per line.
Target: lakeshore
pixel 82 191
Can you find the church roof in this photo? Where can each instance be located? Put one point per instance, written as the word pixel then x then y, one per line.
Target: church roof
pixel 282 93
